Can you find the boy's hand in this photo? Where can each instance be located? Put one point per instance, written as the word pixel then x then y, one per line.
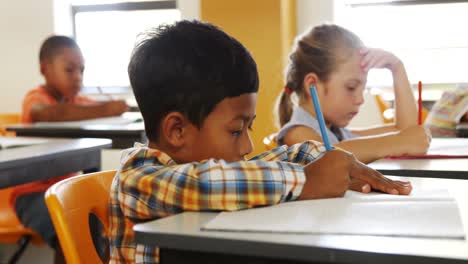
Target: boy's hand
pixel 415 139
pixel 337 171
pixel 378 59
pixel 364 179
pixel 115 108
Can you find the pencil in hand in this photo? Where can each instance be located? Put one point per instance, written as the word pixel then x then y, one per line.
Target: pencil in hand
pixel 321 121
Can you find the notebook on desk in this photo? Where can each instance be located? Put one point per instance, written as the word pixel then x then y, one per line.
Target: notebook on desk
pixel 13 142
pixel 431 213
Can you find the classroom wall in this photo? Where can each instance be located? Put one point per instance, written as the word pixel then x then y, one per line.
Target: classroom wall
pixel 23 24
pixel 264 27
pixel 189 9
pixel 311 13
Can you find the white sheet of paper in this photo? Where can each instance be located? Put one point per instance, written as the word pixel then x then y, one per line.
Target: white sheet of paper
pixel 431 213
pixel 12 142
pixel 448 146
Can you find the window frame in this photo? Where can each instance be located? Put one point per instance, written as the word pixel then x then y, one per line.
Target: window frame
pixel 124 6
pixel 120 6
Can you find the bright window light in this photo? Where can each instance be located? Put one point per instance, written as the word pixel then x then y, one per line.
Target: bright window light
pixel 107 38
pixel 430 39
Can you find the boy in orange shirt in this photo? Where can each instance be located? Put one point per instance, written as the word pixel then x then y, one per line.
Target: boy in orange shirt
pixel 62 65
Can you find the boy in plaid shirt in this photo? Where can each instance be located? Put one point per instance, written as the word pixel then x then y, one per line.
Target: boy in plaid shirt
pixel 197 89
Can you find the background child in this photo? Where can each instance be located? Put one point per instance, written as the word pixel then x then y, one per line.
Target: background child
pixel 447 112
pixel 335 61
pixel 198 104
pixel 62 66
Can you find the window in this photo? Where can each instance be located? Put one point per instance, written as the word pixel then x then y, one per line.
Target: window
pixel 429 36
pixel 106 34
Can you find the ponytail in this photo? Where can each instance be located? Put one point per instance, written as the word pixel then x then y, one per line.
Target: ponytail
pixel 283 109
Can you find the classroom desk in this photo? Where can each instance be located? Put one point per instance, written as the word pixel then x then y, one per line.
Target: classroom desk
pixel 429 168
pixel 122 136
pixel 56 157
pixel 462 130
pixel 181 234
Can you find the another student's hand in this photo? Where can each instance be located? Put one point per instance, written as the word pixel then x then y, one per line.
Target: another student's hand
pixel 378 59
pixel 415 140
pixel 337 171
pixel 115 108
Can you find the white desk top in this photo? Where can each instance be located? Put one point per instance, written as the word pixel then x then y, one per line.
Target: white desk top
pixel 430 168
pixel 183 232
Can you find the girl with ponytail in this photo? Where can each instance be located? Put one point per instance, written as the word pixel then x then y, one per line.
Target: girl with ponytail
pixel 335 62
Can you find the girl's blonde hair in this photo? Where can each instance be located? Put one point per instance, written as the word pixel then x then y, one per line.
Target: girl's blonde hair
pixel 319 50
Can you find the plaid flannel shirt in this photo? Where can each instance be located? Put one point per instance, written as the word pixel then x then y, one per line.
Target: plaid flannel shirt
pixel 150 185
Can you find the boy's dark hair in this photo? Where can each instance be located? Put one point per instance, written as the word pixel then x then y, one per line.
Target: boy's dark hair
pixel 53 46
pixel 188 67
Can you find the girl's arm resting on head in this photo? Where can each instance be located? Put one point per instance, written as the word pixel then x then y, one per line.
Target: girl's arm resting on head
pixel 406 112
pixel 210 185
pixel 74 112
pixel 405 103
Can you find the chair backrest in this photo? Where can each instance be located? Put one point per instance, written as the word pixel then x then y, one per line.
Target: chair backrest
pixel 8 119
pixel 70 203
pixel 11 230
pixel 270 141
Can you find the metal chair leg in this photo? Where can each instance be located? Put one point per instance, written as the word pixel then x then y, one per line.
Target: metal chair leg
pixel 23 244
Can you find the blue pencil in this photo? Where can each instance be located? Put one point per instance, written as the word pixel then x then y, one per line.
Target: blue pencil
pixel 318 112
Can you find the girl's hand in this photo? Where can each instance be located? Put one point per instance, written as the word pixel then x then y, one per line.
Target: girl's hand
pixel 416 140
pixel 378 59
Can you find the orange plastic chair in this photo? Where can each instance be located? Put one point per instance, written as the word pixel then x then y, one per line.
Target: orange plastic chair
pixel 270 141
pixel 70 203
pixel 11 230
pixel 388 113
pixel 8 119
pixel 385 110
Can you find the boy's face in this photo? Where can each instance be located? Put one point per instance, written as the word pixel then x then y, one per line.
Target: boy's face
pixel 64 73
pixel 225 131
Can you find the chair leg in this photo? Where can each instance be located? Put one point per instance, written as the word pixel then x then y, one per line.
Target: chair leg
pixel 23 244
